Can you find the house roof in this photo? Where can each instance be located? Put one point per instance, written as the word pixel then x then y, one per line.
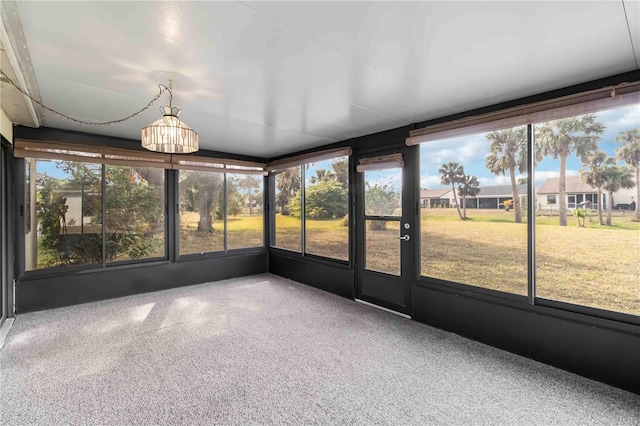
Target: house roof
pixel 433 193
pixel 500 191
pixel 572 184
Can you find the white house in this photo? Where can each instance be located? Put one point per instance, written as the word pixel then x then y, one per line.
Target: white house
pixel 577 191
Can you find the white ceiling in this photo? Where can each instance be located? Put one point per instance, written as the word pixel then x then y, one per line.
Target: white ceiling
pixel 271 78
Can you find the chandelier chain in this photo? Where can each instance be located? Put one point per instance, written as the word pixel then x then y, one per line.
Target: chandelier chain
pixel 161 89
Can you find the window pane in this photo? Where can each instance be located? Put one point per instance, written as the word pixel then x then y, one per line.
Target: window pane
pixel 382 246
pixel 288 223
pixel 473 199
pixel 68 214
pixel 383 192
pixel 201 212
pixel 244 211
pixel 588 239
pixel 134 199
pixel 326 201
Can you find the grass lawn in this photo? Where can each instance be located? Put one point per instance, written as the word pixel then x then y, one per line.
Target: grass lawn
pixel 594 266
pixel 325 237
pixel 243 231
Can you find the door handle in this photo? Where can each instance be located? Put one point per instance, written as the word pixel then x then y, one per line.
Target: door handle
pixel 405 237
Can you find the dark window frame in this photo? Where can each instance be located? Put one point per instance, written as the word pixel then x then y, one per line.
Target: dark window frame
pixel 533 300
pixel 303 253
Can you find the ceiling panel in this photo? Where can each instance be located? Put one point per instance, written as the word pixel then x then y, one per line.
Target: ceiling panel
pixel 632 10
pixel 270 78
pixel 472 54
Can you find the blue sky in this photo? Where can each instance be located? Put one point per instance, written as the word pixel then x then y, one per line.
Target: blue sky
pixel 471 151
pixel 49 168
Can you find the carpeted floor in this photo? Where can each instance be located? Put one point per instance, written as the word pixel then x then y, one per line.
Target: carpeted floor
pixel 266 350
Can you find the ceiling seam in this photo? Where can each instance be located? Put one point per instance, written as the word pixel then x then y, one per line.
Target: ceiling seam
pixel 633 49
pixel 334 48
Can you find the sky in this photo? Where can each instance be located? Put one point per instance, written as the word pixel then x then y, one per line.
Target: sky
pixel 471 151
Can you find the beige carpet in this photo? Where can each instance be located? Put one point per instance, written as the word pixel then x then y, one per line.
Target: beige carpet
pixel 266 350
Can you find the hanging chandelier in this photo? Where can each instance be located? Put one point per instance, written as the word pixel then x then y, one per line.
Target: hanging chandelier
pixel 169 134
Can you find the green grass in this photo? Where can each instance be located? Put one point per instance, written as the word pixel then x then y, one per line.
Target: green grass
pixel 326 237
pixel 243 231
pixel 594 266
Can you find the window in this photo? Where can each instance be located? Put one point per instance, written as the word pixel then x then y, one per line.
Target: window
pixel 288 206
pixel 245 224
pixel 326 202
pixel 134 215
pixel 207 212
pixel 312 192
pixel 474 229
pixel 201 211
pixel 67 196
pixel 584 150
pixel 587 251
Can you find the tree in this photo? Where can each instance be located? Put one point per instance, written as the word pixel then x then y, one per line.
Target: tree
pixel 380 200
pixel 630 153
pixel 287 184
pixel 322 175
pixel 249 182
pixel 135 213
pixel 201 191
pixel 468 187
pixel 615 178
pixel 340 168
pixel 560 138
pixel 326 199
pixel 133 206
pixel 593 173
pixel 508 152
pixel 452 173
pixel 88 178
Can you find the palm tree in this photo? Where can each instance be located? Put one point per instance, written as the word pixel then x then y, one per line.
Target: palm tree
pixel 630 153
pixel 469 187
pixel 560 138
pixel 593 173
pixel 507 152
pixel 288 184
pixel 452 173
pixel 322 175
pixel 615 178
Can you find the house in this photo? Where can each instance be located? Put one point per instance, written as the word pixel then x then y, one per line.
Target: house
pixel 491 197
pixel 441 197
pixel 266 90
pixel 577 192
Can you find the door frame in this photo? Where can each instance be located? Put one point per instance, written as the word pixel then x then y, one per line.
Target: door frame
pixel 6 239
pixel 399 301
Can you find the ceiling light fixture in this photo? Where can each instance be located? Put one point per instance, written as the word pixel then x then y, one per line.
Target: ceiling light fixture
pixel 169 134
